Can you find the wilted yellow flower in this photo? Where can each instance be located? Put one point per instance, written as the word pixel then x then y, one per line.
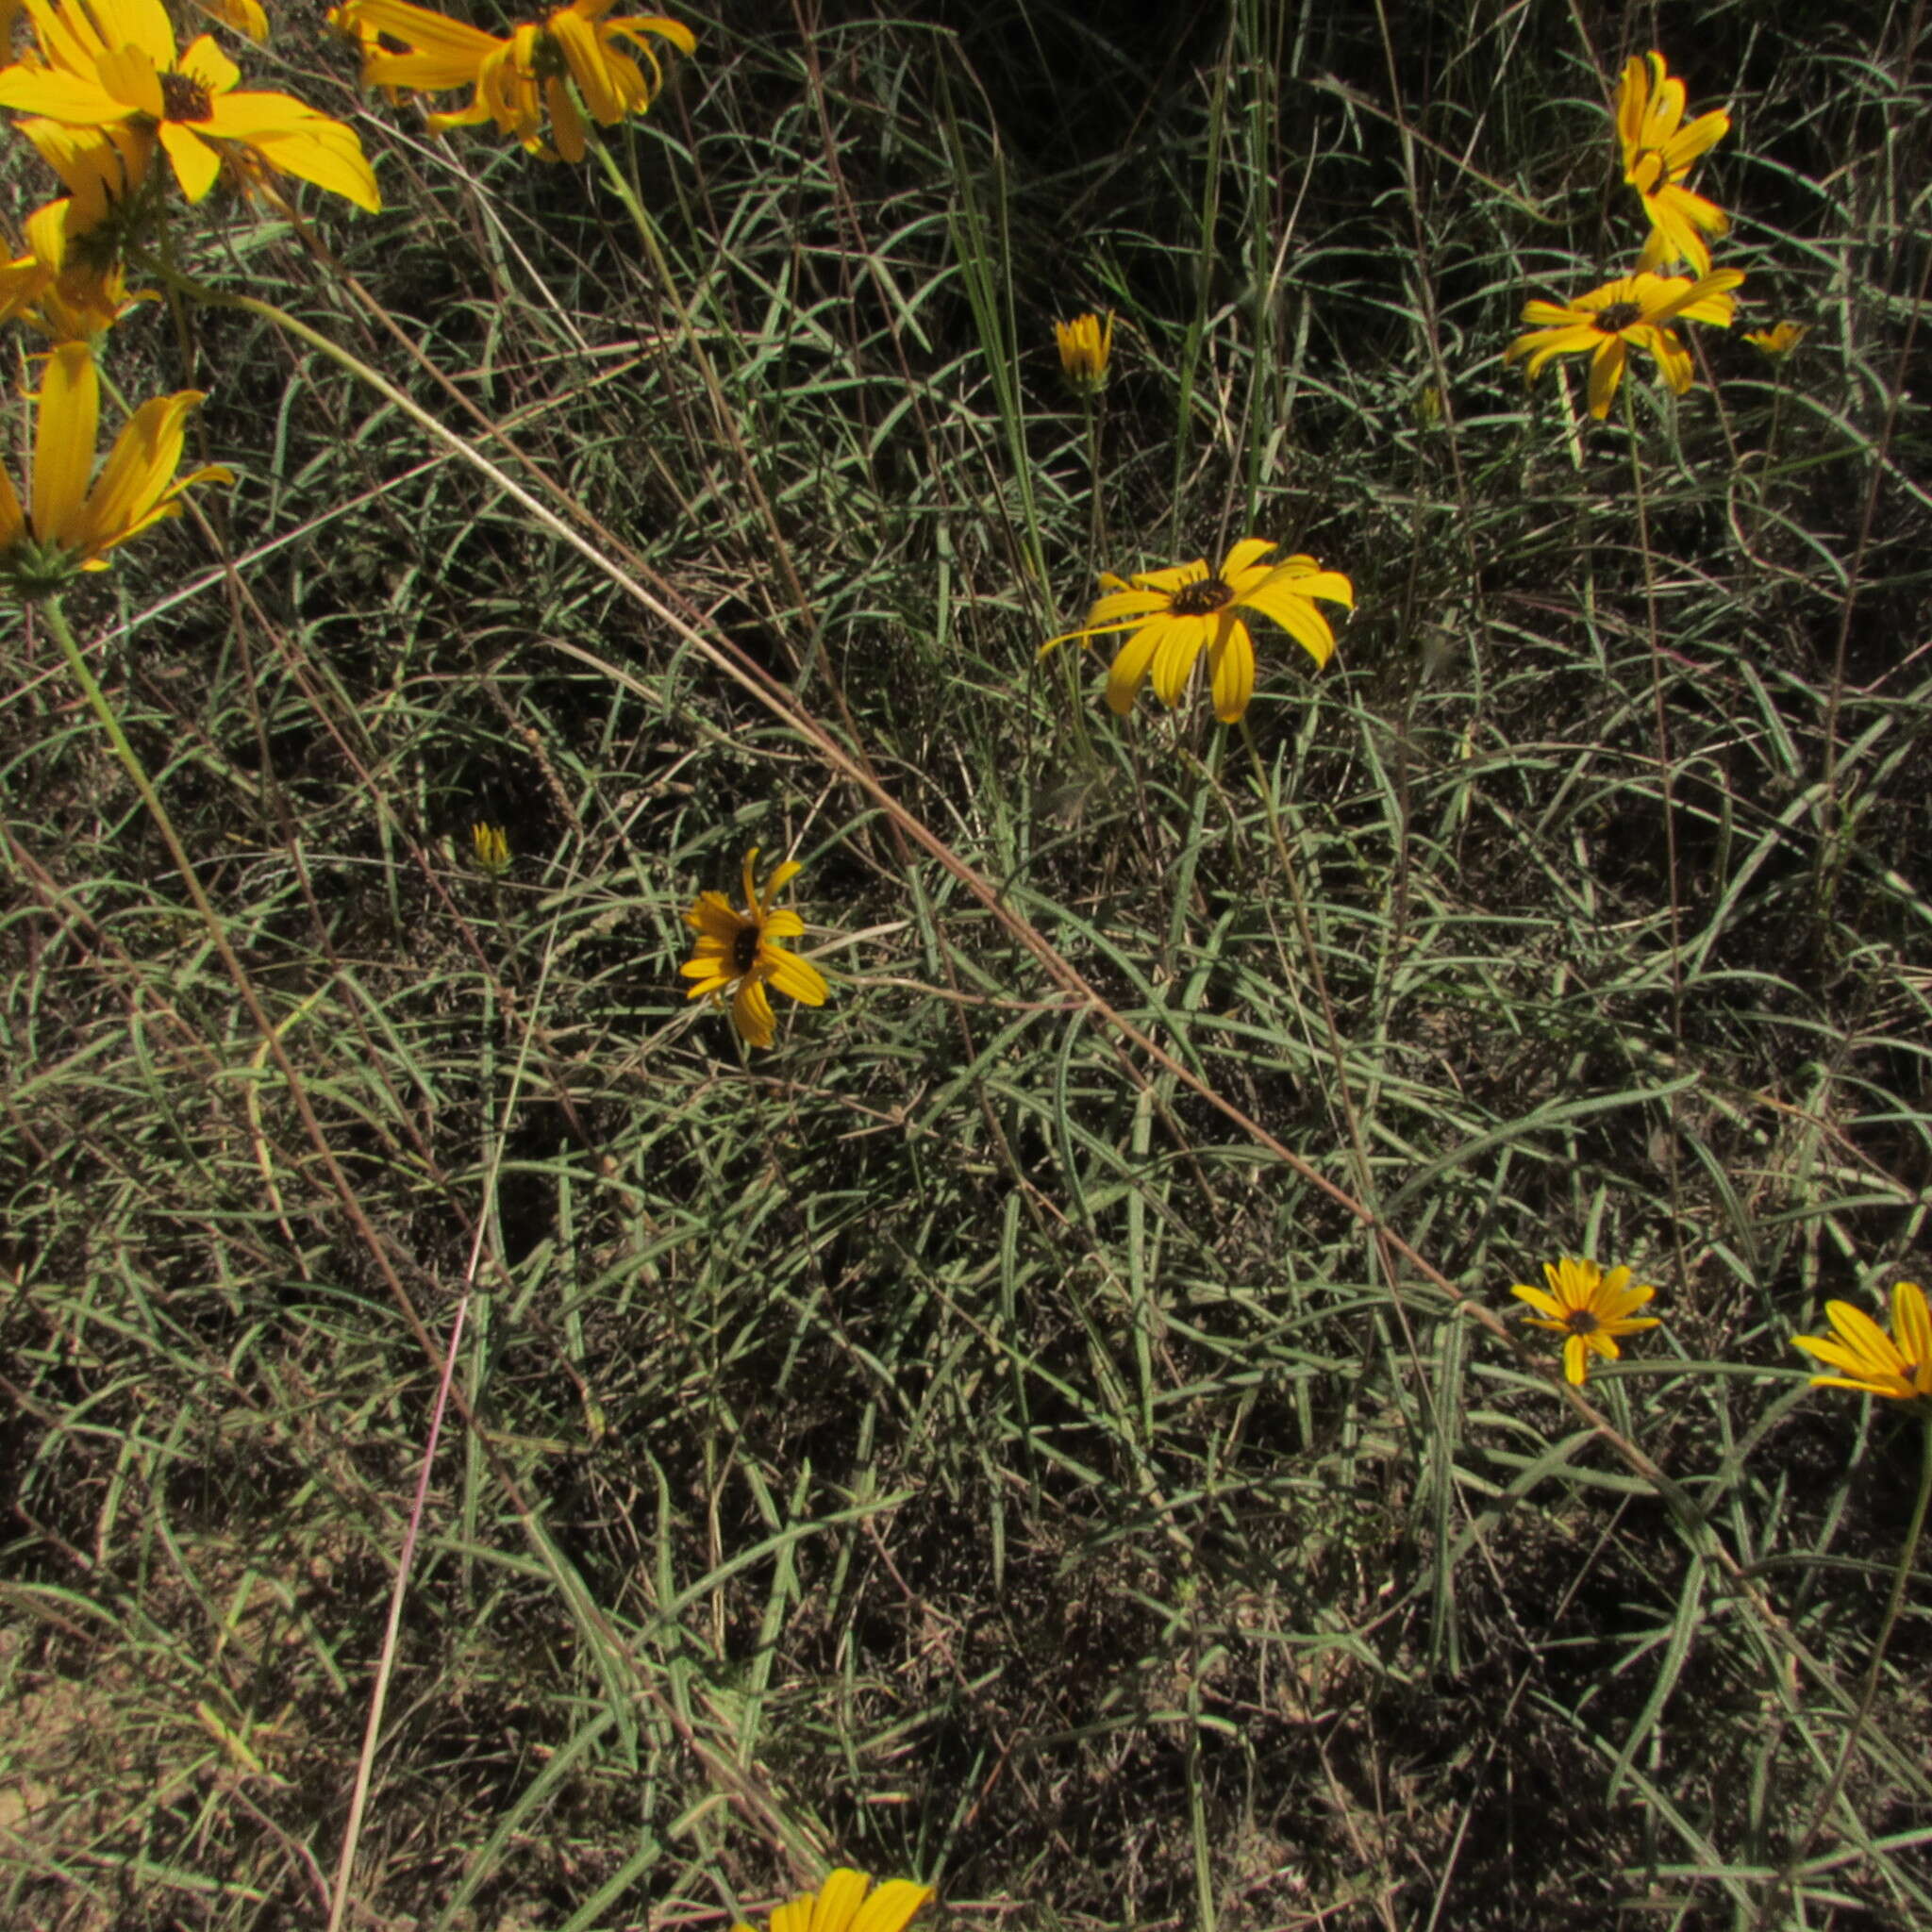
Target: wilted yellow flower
pixel 1634 312
pixel 1657 154
pixel 1085 343
pixel 490 845
pixel 68 528
pixel 1779 342
pixel 1175 614
pixel 842 1904
pixel 518 79
pixel 60 295
pixel 736 950
pixel 1874 1362
pixel 1589 1307
pixel 106 64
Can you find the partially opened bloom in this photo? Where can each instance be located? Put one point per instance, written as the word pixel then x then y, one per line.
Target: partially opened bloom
pixel 1085 343
pixel 517 80
pixel 1777 343
pixel 489 842
pixel 1175 614
pixel 735 953
pixel 1657 154
pixel 844 1903
pixel 1589 1308
pixel 1634 312
pixel 66 527
pixel 1897 1366
pixel 112 63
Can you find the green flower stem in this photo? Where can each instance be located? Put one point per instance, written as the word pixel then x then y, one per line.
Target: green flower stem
pixel 1668 792
pixel 56 620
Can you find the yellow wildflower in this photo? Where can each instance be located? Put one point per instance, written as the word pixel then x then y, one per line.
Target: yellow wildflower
pixel 1085 344
pixel 110 64
pixel 1657 154
pixel 1874 1362
pixel 1175 614
pixel 516 80
pixel 735 953
pixel 68 528
pixel 1589 1307
pixel 1632 312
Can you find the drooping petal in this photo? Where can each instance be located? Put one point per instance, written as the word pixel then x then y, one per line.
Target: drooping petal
pixel 317 149
pixel 138 485
pixel 1673 358
pixel 1131 661
pixel 1231 667
pixel 583 51
pixel 1605 372
pixel 567 127
pixel 1298 617
pixel 751 1013
pixel 1182 640
pixel 64 432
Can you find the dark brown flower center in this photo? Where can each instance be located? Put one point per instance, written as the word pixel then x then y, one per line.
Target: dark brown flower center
pixel 744 949
pixel 184 98
pixel 1614 320
pixel 1583 1322
pixel 1200 600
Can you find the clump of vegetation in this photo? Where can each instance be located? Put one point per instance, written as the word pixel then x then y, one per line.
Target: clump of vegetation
pixel 1281 843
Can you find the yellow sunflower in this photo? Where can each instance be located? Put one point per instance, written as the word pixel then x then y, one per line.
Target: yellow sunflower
pixel 68 528
pixel 1589 1307
pixel 516 79
pixel 1632 312
pixel 108 64
pixel 1657 154
pixel 736 953
pixel 1874 1362
pixel 1175 614
pixel 848 1901
pixel 1085 343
